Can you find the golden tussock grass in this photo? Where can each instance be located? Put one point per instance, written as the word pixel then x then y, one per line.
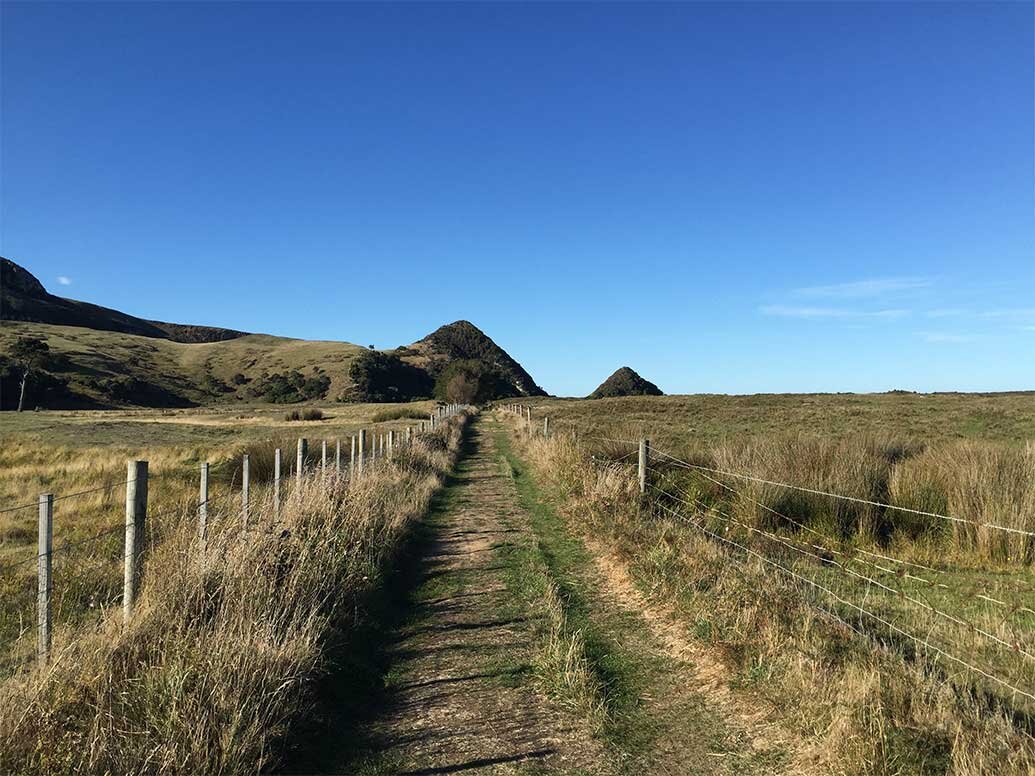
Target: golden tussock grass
pixel 220 659
pixel 864 698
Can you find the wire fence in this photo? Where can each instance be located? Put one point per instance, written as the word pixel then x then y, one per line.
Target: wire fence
pixel 879 595
pixel 86 568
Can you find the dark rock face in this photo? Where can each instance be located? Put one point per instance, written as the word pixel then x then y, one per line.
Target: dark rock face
pixel 625 382
pixel 23 298
pixel 463 341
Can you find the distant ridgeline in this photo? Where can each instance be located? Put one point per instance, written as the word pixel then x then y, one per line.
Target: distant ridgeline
pixel 98 357
pixel 23 298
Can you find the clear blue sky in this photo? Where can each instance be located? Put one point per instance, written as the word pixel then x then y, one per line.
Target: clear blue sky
pixel 728 198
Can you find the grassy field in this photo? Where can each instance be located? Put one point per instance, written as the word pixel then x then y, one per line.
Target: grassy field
pixel 845 613
pixel 685 421
pixel 70 452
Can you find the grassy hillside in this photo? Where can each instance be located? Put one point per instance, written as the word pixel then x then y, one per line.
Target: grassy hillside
pixel 173 374
pixel 100 357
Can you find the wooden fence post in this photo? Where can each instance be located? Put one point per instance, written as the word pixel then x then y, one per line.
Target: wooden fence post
pixel 246 484
pixel 303 453
pixel 352 457
pixel 337 456
pixel 391 442
pixel 44 583
pixel 362 447
pixel 323 460
pixel 136 516
pixel 644 463
pixel 276 482
pixel 203 504
pixel 546 427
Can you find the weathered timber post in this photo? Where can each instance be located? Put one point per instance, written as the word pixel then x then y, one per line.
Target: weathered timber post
pixel 301 455
pixel 352 457
pixel 362 448
pixel 323 460
pixel 546 427
pixel 276 483
pixel 644 463
pixel 246 484
pixel 136 517
pixel 391 441
pixel 203 504
pixel 44 583
pixel 337 457
pixel 409 434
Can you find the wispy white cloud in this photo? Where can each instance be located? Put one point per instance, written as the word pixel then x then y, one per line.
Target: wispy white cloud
pixel 64 280
pixel 1008 313
pixel 866 289
pixel 791 311
pixel 946 338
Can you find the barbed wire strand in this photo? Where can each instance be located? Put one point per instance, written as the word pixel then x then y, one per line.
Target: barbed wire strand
pixel 679 462
pixel 1014 608
pixel 887 588
pixel 876 617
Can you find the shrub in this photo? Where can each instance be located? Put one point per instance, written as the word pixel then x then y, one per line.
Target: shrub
pixel 398 413
pixel 470 381
pixel 381 377
pixel 291 387
pixel 308 414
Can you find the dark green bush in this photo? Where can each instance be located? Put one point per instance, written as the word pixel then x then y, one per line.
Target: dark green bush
pixel 383 377
pixel 291 387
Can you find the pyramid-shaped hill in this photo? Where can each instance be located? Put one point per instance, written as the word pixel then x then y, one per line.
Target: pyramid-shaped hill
pixel 625 382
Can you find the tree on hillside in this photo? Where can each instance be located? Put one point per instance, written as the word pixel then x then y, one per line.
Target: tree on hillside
pixel 27 355
pixel 470 381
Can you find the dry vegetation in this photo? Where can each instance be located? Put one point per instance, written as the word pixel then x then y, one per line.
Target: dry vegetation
pixel 867 697
pixel 220 659
pixel 71 452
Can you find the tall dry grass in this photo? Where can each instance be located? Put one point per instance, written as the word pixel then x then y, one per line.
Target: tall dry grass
pixel 982 484
pixel 863 701
pixel 221 658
